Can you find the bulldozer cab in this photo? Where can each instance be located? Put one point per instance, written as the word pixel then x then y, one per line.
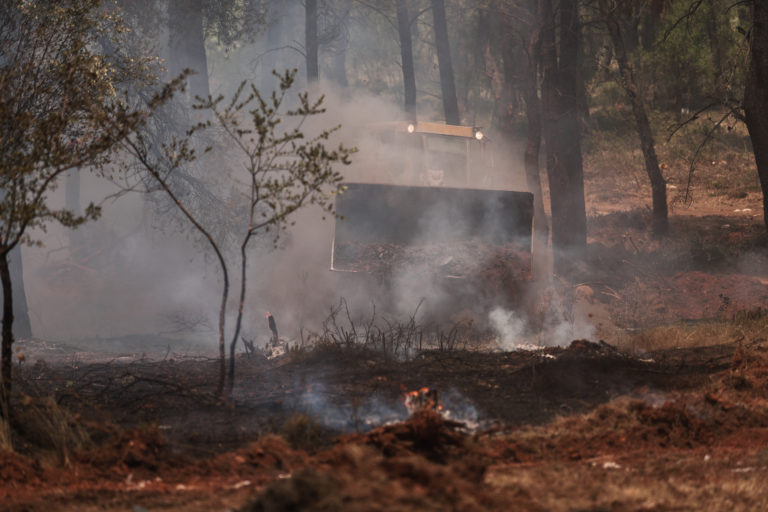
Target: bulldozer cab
pixel 425 153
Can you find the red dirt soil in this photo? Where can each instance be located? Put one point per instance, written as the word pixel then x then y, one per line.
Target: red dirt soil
pixel 429 463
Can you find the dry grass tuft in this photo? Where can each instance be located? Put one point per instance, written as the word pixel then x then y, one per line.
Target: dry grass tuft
pixel 45 424
pixel 740 329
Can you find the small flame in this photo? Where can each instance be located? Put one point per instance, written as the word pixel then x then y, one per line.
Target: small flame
pixel 422 398
pixel 417 392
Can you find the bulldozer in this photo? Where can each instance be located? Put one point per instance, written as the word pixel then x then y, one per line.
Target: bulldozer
pixel 424 208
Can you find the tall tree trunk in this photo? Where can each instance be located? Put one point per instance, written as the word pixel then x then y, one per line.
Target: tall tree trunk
pixel 447 80
pixel 406 55
pixel 340 44
pixel 756 96
pixel 715 49
pixel 311 44
pixel 22 327
pixel 339 69
pixel 651 23
pixel 187 44
pixel 7 333
pixel 533 140
pixel 660 224
pixel 562 133
pixel 270 61
pixel 580 84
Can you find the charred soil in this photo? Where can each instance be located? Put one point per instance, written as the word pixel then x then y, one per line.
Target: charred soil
pixel 665 409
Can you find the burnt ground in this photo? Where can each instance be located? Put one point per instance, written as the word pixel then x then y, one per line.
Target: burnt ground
pixel 150 434
pixel 354 389
pixel 671 415
pixel 669 412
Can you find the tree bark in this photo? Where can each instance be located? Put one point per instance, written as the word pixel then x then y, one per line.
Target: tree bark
pixel 533 140
pixel 406 55
pixel 660 223
pixel 187 44
pixel 22 327
pixel 447 80
pixel 340 43
pixel 7 332
pixel 142 157
pixel 311 44
pixel 269 61
pixel 562 134
pixel 72 203
pixel 715 49
pixel 339 70
pixel 756 96
pixel 240 307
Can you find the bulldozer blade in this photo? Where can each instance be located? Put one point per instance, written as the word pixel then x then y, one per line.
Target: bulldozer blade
pixel 410 215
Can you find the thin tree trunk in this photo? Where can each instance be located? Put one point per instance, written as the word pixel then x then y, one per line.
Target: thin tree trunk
pixel 240 308
pixel 7 332
pixel 756 96
pixel 187 44
pixel 406 55
pixel 72 203
pixel 447 80
pixel 311 44
pixel 660 224
pixel 137 152
pixel 22 327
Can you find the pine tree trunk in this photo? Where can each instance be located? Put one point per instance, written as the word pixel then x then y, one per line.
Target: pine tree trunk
pixel 22 327
pixel 660 223
pixel 311 44
pixel 406 55
pixel 269 61
pixel 187 44
pixel 715 48
pixel 533 141
pixel 447 80
pixel 562 134
pixel 756 96
pixel 339 70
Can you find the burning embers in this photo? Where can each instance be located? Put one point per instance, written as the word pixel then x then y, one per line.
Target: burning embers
pixel 451 406
pixel 423 398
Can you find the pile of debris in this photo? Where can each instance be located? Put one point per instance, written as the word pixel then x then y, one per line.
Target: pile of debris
pixel 458 259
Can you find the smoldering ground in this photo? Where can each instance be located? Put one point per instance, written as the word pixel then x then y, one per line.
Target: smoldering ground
pixel 133 272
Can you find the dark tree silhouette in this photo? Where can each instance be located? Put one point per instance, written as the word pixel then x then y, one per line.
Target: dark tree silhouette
pixel 756 96
pixel 562 131
pixel 447 80
pixel 311 43
pixel 406 54
pixel 187 44
pixel 612 16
